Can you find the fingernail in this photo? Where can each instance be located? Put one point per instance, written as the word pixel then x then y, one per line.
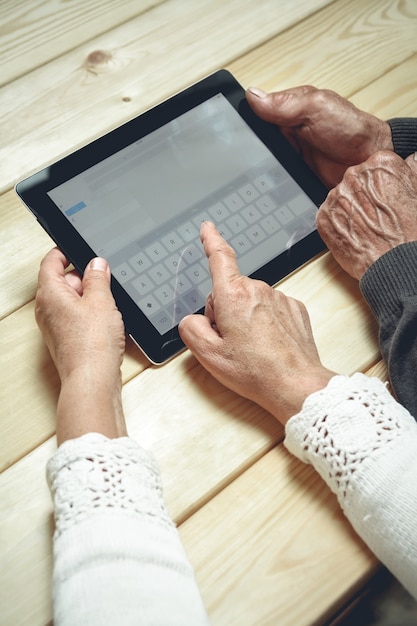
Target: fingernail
pixel 415 156
pixel 259 93
pixel 99 264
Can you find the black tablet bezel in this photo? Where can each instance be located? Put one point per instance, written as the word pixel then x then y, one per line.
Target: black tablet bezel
pixel 33 191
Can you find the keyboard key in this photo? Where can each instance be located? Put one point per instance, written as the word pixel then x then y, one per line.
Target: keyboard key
pixel 188 232
pixel 285 192
pixel 284 215
pixel 172 241
pixel 201 217
pixel 248 192
pixel 241 244
pixel 123 273
pixel 149 305
pixel 218 212
pixel 258 255
pixel 159 274
pixel 140 262
pixel 192 253
pixel 270 224
pixel 196 273
pixel 177 311
pixel 255 234
pixel 225 232
pixel 181 284
pixel 234 202
pixel 165 294
pixel 162 322
pixel 266 204
pixel 143 285
pixel 175 263
pixel 263 183
pixel 236 223
pixel 277 175
pixel 194 300
pixel 251 214
pixel 156 251
pixel 300 204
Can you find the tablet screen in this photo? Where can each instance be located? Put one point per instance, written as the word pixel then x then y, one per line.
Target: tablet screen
pixel 141 207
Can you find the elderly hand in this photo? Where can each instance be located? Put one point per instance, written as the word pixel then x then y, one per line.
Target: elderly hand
pixel 253 338
pixel 329 131
pixel 373 210
pixel 85 335
pixel 78 317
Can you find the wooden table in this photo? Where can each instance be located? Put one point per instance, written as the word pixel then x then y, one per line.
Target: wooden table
pixel 266 537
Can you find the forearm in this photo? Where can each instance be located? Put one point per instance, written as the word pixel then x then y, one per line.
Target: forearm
pixel 90 401
pixel 389 287
pixel 364 444
pixel 118 558
pixel 286 399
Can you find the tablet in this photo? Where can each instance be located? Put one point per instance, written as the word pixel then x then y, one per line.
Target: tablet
pixel 138 195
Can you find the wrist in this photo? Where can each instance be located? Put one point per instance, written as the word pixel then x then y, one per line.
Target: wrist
pixel 384 137
pixel 290 396
pixel 90 400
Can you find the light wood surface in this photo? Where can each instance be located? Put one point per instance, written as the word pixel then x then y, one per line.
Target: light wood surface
pixel 266 537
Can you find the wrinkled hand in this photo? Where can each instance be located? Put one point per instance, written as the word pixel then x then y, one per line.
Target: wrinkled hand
pixel 373 210
pixel 253 338
pixel 78 318
pixel 329 131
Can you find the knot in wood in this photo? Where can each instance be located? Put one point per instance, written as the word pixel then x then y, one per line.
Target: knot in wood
pixel 97 58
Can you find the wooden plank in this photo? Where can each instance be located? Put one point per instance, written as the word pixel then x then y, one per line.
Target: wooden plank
pixel 292 557
pixel 137 64
pixel 35 32
pixel 26 542
pixel 24 243
pixel 379 370
pixel 343 47
pixel 392 95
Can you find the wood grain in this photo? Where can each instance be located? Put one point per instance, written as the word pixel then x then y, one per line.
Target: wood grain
pixel 264 533
pixel 288 533
pixel 140 64
pixel 344 47
pixel 33 33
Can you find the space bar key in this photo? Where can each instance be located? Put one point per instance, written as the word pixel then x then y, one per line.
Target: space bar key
pixel 261 254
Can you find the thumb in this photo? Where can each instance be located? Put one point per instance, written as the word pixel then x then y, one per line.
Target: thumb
pixel 96 279
pixel 199 336
pixel 284 108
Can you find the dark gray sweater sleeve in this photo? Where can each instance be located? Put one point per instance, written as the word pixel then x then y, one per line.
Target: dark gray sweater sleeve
pixel 404 135
pixel 390 288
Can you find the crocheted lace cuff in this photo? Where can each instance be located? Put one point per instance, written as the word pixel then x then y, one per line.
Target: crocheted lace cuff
pixel 348 424
pixel 93 474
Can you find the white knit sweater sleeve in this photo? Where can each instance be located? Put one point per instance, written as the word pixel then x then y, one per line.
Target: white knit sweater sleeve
pixel 364 445
pixel 118 558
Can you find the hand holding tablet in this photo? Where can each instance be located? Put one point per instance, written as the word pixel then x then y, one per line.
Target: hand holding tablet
pixel 138 195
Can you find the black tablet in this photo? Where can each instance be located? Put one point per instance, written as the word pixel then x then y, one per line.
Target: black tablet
pixel 138 195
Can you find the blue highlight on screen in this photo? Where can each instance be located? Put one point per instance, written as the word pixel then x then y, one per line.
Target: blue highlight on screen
pixel 74 209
